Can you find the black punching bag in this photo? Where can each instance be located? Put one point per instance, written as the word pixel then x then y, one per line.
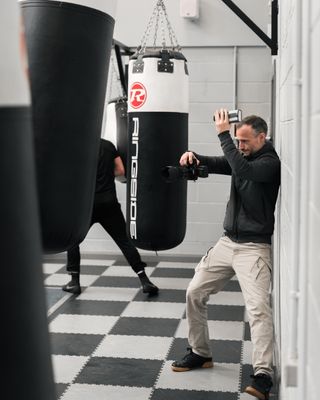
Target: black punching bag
pixel 25 349
pixel 69 48
pixel 158 135
pixel 116 125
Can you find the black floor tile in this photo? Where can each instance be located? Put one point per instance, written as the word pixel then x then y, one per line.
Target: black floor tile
pixel 225 313
pixel 74 344
pixel 53 295
pixel 117 281
pixel 247 332
pixel 124 262
pixel 145 326
pixel 120 371
pixel 173 273
pixel 232 286
pixel 60 389
pixel 93 307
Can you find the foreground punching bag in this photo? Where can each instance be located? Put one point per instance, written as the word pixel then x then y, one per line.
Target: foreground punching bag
pixel 116 126
pixel 158 135
pixel 69 48
pixel 25 351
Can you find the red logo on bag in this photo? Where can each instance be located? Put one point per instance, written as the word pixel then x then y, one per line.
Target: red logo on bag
pixel 138 95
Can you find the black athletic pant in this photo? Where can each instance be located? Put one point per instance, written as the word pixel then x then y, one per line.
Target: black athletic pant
pixel 110 216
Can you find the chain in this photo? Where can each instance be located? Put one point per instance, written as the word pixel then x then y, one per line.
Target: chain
pixel 114 87
pixel 172 36
pixel 159 14
pixel 146 34
pixel 156 27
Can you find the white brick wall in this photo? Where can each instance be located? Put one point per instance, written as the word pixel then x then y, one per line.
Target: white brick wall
pixel 308 321
pixel 312 297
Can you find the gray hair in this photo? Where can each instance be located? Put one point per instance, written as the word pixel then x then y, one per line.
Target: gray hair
pixel 258 124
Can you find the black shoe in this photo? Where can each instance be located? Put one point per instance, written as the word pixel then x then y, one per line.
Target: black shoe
pixel 260 386
pixel 72 287
pixel 147 285
pixel 191 361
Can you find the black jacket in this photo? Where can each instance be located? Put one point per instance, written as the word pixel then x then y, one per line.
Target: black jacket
pixel 254 190
pixel 105 191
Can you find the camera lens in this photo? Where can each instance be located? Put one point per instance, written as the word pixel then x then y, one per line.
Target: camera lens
pixel 170 174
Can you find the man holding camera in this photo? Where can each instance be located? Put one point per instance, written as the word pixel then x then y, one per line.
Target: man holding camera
pixel 244 249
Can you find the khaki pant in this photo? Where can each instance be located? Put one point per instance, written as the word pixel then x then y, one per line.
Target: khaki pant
pixel 251 262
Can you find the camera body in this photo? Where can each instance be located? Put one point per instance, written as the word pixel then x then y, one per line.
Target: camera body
pixel 234 116
pixel 190 172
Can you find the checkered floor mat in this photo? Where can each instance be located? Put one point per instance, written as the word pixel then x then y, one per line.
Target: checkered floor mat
pixel 114 342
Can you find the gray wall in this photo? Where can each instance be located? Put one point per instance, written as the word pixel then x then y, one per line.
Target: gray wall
pixel 217 25
pixel 208 45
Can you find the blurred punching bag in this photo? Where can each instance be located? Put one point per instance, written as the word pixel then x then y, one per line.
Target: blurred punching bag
pixel 69 47
pixel 25 353
pixel 158 135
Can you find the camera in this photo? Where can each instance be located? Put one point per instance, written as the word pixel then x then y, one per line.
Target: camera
pixel 190 172
pixel 234 116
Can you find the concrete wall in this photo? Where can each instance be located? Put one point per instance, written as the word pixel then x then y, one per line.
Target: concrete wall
pixel 208 45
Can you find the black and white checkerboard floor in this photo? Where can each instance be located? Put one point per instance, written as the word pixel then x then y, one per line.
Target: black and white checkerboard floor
pixel 114 342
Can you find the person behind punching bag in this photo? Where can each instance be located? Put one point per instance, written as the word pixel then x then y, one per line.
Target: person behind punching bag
pixel 107 212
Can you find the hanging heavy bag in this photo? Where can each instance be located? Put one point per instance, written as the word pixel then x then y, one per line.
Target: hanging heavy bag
pixel 158 135
pixel 116 126
pixel 68 50
pixel 24 335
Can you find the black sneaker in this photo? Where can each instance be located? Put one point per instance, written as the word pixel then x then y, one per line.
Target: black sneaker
pixel 260 386
pixel 72 287
pixel 148 286
pixel 191 361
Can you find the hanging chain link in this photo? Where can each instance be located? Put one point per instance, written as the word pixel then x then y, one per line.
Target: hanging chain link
pixel 172 36
pixel 159 14
pixel 114 87
pixel 156 27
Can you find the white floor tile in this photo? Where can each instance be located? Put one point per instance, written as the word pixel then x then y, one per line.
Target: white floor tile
pixel 154 310
pixel 49 268
pixel 245 396
pixel 219 330
pixel 89 324
pixel 227 298
pixel 103 262
pixel 108 293
pixel 116 270
pixel 62 279
pixel 171 264
pixel 99 392
pixel 247 352
pixel 144 347
pixel 171 283
pixel 66 368
pixel 223 377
